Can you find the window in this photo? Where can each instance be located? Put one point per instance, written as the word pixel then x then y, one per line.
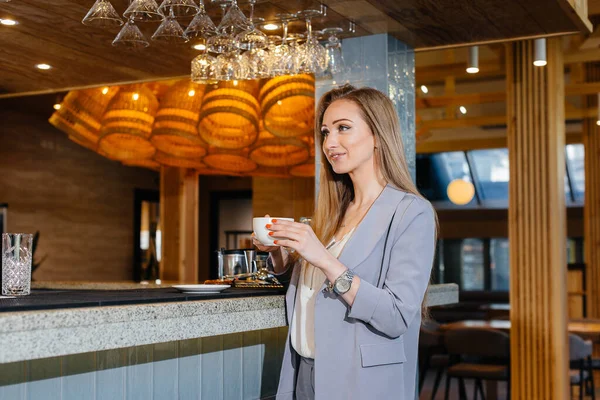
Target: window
pixel 499 262
pixel 473 269
pixel 576 170
pixel 490 168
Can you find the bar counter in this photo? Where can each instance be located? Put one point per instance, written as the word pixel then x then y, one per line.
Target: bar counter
pixel 145 343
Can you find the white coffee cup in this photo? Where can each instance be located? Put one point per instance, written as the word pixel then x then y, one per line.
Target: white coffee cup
pixel 259 225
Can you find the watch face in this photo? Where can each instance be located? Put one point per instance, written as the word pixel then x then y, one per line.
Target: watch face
pixel 343 285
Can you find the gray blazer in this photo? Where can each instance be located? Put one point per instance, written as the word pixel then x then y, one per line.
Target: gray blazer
pixel 369 351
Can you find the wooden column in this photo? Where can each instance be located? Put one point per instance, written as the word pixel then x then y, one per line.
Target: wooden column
pixel 591 210
pixel 537 216
pixel 179 224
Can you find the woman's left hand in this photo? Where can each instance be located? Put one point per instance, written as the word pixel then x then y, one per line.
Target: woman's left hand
pixel 301 238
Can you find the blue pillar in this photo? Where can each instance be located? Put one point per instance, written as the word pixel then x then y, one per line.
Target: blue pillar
pixel 384 63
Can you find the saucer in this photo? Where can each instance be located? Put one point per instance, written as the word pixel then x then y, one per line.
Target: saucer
pixel 201 288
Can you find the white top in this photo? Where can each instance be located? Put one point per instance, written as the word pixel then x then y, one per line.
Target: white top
pixel 302 327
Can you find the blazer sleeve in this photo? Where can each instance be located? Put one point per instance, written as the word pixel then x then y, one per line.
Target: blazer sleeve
pixel 391 309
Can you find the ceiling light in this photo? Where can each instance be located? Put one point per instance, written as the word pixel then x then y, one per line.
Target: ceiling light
pixel 8 22
pixel 43 66
pixel 539 52
pixel 424 89
pixel 270 27
pixel 473 63
pixel 199 46
pixel 192 93
pixel 57 106
pixel 135 96
pixel 463 110
pixel 104 90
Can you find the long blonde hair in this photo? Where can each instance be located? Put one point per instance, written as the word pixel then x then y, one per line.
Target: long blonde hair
pixel 336 191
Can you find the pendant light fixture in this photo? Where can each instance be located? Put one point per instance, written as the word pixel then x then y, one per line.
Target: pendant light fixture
pixel 539 52
pixel 473 63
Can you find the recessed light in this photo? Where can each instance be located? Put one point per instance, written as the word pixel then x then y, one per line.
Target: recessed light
pixel 462 109
pixel 104 90
pixel 8 22
pixel 424 89
pixel 43 66
pixel 135 96
pixel 192 93
pixel 57 106
pixel 270 27
pixel 199 46
pixel 598 122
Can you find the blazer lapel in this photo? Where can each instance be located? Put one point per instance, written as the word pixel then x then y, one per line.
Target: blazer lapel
pixel 372 228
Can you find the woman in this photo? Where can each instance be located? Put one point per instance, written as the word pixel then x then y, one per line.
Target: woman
pixel 358 280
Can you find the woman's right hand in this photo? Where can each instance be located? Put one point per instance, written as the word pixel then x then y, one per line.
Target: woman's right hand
pixel 279 255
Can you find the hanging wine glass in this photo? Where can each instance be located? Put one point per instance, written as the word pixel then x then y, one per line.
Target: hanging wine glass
pixel 102 15
pixel 335 59
pixel 280 54
pixel 222 42
pixel 143 11
pixel 252 38
pixel 130 37
pixel 203 69
pixel 201 27
pixel 230 67
pixel 313 57
pixel 179 8
pixel 170 30
pixel 234 21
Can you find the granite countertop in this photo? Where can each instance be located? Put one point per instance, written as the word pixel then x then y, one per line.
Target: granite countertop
pixel 26 335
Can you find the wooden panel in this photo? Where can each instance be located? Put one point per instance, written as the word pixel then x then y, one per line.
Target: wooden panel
pixel 537 223
pixel 78 378
pixel 283 197
pixel 179 221
pixel 591 143
pixel 52 32
pixel 575 294
pixel 81 202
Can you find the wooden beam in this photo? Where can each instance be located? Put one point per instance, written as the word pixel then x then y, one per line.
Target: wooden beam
pixel 424 102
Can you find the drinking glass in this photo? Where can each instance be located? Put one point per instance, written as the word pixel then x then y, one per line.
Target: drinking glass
pixel 16 263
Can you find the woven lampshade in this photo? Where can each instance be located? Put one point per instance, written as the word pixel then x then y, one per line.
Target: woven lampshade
pixel 287 104
pixel 229 161
pixel 175 124
pixel 272 151
pixel 248 86
pixel 303 170
pixel 174 161
pixel 81 112
pixel 127 124
pixel 229 118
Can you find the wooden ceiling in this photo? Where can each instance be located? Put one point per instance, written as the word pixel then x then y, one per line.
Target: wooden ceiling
pixel 51 32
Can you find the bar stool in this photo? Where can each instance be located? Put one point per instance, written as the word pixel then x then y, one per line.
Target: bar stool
pixel 479 354
pixel 432 353
pixel 580 357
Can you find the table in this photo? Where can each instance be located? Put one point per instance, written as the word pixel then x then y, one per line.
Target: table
pixel 586 328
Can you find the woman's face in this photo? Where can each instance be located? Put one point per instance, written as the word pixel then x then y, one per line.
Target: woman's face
pixel 348 142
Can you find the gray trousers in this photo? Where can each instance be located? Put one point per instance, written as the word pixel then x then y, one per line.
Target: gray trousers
pixel 305 383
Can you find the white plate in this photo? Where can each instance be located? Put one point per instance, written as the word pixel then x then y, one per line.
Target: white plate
pixel 201 288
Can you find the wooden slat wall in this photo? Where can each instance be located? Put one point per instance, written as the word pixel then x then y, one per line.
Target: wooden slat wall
pixel 179 224
pixel 536 139
pixel 591 210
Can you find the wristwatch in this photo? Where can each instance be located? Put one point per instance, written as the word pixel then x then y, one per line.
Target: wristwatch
pixel 343 283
